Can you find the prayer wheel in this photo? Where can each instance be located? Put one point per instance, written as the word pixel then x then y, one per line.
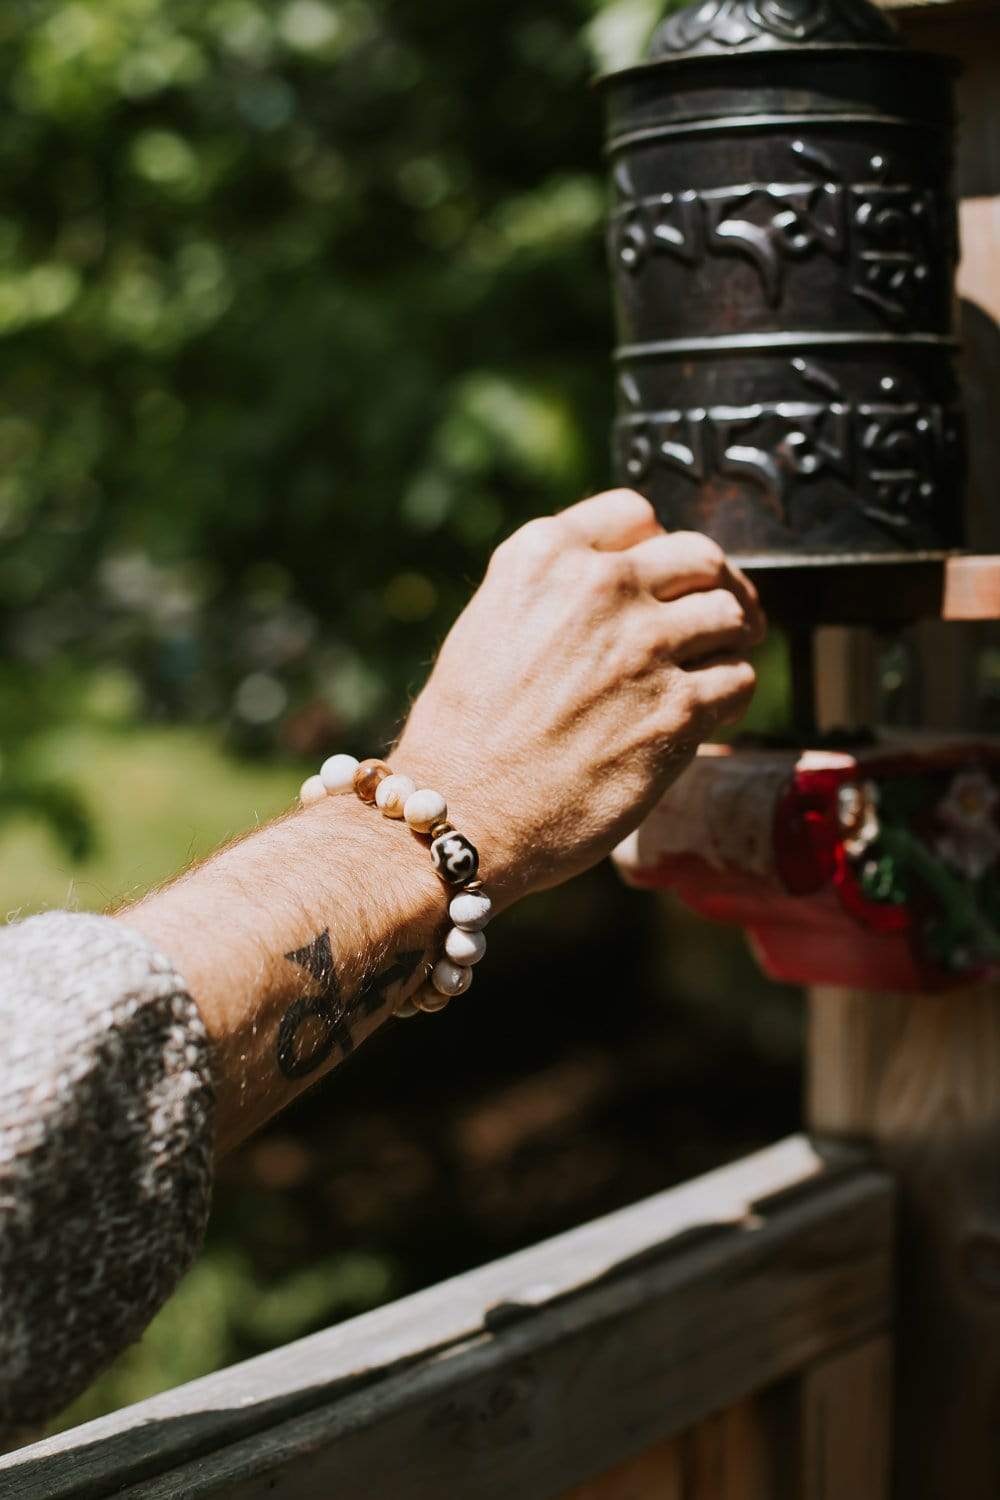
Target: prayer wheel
pixel 783 241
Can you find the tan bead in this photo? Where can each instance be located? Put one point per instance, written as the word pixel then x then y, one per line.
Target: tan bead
pixel 392 795
pixel 313 791
pixel 368 776
pixel 406 1011
pixel 450 979
pixel 425 810
pixel 430 1002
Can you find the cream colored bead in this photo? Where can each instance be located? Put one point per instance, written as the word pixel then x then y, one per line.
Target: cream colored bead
pixel 337 774
pixel 313 791
pixel 430 1002
pixel 450 979
pixel 424 809
pixel 464 948
pixel 393 794
pixel 471 913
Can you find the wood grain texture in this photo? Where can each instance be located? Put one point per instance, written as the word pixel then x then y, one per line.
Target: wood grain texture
pixel 745 1453
pixel 550 1389
pixel 920 1076
pixel 971 589
pixel 846 1425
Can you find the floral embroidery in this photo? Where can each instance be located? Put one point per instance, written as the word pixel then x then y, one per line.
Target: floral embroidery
pixel 914 849
pixel 970 840
pixel 857 813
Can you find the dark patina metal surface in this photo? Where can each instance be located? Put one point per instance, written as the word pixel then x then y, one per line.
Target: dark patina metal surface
pixel 783 241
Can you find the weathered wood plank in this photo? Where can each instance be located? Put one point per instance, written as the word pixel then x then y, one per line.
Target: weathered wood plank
pixel 206 1414
pixel 926 1090
pixel 556 1363
pixel 846 1425
pixel 745 1453
pixel 582 1384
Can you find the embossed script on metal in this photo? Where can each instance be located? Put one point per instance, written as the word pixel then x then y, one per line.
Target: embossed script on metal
pixel 783 240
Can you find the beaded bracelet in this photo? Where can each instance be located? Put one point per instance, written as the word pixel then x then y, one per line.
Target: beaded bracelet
pixel 455 859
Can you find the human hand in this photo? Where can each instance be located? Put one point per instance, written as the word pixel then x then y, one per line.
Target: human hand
pixel 577 685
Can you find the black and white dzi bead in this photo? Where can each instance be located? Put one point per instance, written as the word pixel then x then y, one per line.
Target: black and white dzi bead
pixel 455 858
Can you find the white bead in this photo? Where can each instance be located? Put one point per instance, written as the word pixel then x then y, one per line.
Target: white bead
pixel 338 774
pixel 471 912
pixel 424 809
pixel 393 794
pixel 465 948
pixel 450 979
pixel 313 791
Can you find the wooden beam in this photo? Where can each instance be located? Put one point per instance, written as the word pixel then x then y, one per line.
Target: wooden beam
pixel 528 1376
pixel 745 1453
pixel 953 9
pixel 918 1077
pixel 846 1425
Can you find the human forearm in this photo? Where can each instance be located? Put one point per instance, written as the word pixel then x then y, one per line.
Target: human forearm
pixel 574 688
pixel 296 944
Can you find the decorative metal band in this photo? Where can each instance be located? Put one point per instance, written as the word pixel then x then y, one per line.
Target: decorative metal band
pixel 766 342
pixel 895 455
pixel 726 126
pixel 896 240
pixel 712 26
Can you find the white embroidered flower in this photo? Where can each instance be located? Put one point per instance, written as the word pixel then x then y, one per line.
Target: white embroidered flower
pixel 970 841
pixel 857 816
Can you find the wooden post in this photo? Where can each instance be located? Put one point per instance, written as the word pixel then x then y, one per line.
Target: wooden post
pixel 919 1075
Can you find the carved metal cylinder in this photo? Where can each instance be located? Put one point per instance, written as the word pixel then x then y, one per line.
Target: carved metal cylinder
pixel 783 240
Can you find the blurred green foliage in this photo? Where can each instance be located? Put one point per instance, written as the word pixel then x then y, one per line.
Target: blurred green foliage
pixel 302 306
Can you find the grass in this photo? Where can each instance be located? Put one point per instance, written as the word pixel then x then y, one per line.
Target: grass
pixel 158 798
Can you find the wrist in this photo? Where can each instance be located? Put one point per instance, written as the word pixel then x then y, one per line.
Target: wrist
pixel 474 808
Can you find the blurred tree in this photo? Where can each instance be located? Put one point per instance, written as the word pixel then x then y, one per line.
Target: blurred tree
pixel 302 306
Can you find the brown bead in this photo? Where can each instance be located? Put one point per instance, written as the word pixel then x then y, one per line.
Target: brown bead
pixel 440 829
pixel 429 1002
pixel 367 778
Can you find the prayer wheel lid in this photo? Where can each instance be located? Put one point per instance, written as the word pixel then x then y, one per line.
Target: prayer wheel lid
pixel 712 28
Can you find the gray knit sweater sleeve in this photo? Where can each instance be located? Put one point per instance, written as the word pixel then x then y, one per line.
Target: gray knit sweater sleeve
pixel 106 1148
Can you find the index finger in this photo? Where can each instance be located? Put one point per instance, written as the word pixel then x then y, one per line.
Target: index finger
pixel 614 521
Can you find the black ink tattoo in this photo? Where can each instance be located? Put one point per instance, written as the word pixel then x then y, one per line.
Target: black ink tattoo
pixel 327 1009
pixel 373 995
pixel 324 1009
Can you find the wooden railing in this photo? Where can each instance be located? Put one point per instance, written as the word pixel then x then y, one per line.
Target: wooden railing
pixel 757 1297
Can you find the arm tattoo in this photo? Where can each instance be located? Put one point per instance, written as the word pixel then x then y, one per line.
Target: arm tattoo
pixel 326 1010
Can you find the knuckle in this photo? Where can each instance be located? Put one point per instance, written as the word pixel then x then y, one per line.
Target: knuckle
pixel 710 556
pixel 537 539
pixel 727 608
pixel 638 503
